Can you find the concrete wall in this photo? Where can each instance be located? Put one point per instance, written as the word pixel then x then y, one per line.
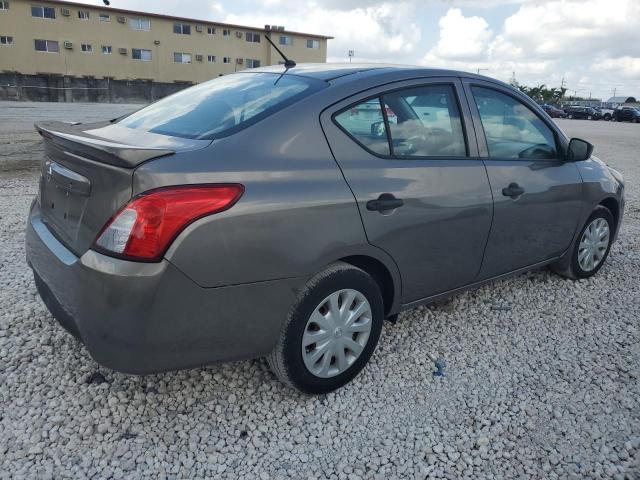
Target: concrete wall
pixel 58 88
pixel 22 57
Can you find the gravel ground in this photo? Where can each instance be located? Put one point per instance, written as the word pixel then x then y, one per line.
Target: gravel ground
pixel 541 376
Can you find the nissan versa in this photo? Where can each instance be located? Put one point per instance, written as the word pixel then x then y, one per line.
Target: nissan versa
pixel 286 212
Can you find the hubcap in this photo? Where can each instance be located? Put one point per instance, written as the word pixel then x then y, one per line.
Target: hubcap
pixel 336 333
pixel 593 244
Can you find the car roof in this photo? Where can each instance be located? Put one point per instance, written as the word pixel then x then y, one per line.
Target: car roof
pixel 331 71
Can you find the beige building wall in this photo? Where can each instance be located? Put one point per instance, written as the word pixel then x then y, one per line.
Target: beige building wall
pixel 18 23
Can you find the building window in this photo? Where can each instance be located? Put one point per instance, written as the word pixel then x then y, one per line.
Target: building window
pixel 106 49
pixel 86 48
pixel 141 54
pixel 104 17
pixel 4 5
pixel 179 57
pixel 211 58
pixel 252 37
pixel 140 24
pixel 286 40
pixel 182 29
pixel 83 14
pixel 43 12
pixel 211 30
pixel 47 46
pixel 226 33
pixel 4 40
pixel 313 43
pixel 226 60
pixel 251 63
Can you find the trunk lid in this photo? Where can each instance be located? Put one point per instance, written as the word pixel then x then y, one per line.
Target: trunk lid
pixel 87 174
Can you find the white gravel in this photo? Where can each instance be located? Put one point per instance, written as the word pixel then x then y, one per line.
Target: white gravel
pixel 541 380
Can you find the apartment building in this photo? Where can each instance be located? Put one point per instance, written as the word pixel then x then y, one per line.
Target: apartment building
pixel 72 39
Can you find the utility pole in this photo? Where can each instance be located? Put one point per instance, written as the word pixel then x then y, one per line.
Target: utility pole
pixel 478 70
pixel 351 54
pixel 615 89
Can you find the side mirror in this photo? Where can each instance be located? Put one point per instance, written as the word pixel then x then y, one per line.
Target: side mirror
pixel 579 150
pixel 378 130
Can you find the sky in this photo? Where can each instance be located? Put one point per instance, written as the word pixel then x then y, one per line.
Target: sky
pixel 594 45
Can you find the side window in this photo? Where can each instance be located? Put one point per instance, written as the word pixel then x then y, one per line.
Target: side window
pixel 365 123
pixel 511 129
pixel 425 122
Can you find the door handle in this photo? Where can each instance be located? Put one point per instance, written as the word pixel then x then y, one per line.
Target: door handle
pixel 384 202
pixel 513 190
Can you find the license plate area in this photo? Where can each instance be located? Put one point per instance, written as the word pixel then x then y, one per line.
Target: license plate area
pixel 63 197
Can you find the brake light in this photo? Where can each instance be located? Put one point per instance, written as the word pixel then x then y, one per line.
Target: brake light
pixel 145 227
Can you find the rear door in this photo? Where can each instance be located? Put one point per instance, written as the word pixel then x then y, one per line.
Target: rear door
pixel 537 195
pixel 422 191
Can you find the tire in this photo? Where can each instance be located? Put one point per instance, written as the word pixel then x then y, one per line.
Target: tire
pixel 575 269
pixel 607 117
pixel 570 117
pixel 589 117
pixel 287 360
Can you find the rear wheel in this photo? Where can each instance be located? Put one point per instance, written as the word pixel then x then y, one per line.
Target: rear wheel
pixel 592 246
pixel 331 330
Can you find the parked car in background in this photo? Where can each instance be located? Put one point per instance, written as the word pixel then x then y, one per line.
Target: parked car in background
pixel 607 113
pixel 583 113
pixel 626 114
pixel 260 215
pixel 553 112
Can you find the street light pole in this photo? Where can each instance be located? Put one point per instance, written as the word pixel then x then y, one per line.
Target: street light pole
pixel 351 54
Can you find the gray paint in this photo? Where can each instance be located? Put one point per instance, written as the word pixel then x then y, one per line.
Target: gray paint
pixel 226 283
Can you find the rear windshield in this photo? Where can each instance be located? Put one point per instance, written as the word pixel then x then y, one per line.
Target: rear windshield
pixel 222 106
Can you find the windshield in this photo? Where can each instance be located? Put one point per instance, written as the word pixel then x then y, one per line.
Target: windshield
pixel 222 106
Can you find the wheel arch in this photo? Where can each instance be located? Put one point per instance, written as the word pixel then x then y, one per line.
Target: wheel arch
pixel 614 207
pixel 389 286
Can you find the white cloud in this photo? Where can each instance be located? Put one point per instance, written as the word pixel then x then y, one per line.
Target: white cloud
pixel 573 28
pixel 462 37
pixel 586 42
pixel 383 32
pixel 624 66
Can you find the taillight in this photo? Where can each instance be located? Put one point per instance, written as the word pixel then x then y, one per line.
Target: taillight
pixel 145 227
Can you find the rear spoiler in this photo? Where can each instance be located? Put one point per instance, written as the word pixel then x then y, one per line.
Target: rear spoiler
pixel 72 138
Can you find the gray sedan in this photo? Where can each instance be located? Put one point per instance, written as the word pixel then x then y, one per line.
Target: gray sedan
pixel 286 212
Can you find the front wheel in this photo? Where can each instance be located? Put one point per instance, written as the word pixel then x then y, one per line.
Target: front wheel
pixel 592 246
pixel 331 330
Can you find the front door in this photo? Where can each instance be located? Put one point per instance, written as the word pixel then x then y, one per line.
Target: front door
pixel 537 195
pixel 422 191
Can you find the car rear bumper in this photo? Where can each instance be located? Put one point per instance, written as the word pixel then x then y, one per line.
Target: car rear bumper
pixel 150 317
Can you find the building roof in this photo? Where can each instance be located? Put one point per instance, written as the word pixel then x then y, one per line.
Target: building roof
pixel 187 19
pixel 621 100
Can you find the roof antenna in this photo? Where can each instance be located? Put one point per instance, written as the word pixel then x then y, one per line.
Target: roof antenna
pixel 287 62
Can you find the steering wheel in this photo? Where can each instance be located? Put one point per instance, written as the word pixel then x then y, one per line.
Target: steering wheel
pixel 538 151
